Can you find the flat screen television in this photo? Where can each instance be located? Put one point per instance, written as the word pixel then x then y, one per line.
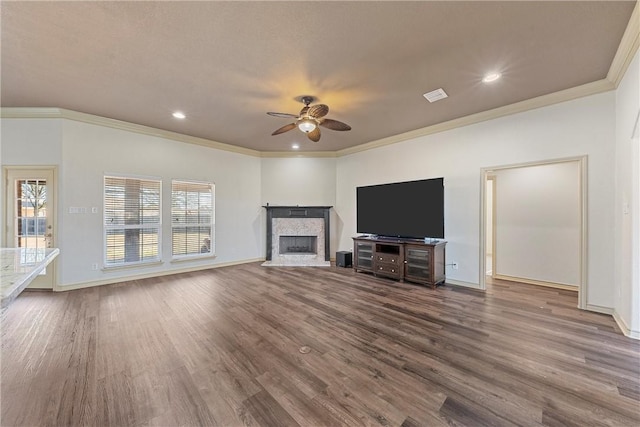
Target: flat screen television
pixel 412 209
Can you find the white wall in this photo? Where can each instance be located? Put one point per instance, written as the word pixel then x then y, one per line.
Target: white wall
pixel 31 142
pixel 88 152
pixel 305 182
pixel 538 222
pixel 298 181
pixel 627 201
pixel 580 127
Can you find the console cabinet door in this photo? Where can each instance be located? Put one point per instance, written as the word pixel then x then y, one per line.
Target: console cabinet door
pixel 363 259
pixel 417 264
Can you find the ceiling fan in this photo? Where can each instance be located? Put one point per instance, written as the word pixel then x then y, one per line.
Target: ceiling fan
pixel 310 119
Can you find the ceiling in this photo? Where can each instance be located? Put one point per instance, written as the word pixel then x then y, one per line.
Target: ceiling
pixel 225 64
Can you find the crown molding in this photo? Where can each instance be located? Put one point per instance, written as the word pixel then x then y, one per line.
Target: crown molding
pixel 30 113
pixel 593 88
pixel 626 49
pixel 305 154
pixel 61 113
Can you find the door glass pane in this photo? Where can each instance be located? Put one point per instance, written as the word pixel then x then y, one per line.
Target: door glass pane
pixel 31 217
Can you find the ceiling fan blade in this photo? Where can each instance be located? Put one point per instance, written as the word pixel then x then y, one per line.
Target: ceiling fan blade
pixel 318 111
pixel 271 113
pixel 334 125
pixel 284 129
pixel 314 135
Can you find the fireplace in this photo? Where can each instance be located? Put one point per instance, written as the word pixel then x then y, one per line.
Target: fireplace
pixel 298 245
pixel 297 236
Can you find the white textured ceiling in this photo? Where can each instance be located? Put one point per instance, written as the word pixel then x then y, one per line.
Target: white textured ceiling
pixel 225 64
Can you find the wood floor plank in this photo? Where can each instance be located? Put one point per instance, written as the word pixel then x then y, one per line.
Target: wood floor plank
pixel 221 347
pixel 295 401
pixel 267 411
pixel 409 396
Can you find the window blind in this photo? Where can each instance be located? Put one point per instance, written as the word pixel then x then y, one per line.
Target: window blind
pixel 132 215
pixel 192 218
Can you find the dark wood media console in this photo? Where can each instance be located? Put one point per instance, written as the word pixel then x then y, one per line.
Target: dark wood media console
pixel 400 259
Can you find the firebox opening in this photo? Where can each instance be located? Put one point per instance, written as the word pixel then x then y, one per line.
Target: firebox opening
pixel 299 245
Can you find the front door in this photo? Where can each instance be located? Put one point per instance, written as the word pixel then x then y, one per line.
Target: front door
pixel 30 202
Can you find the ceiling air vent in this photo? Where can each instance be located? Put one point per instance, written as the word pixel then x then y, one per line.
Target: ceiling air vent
pixel 435 95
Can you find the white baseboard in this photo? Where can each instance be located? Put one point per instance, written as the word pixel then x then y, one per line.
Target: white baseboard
pixel 599 309
pixel 82 285
pixel 462 283
pixel 537 282
pixel 624 327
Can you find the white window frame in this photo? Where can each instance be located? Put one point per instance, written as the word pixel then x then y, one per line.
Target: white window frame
pixel 106 227
pixel 211 223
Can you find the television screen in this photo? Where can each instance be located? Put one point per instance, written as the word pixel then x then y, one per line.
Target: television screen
pixel 413 209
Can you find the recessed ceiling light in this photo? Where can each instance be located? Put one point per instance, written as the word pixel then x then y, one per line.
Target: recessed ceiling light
pixel 491 77
pixel 179 115
pixel 295 146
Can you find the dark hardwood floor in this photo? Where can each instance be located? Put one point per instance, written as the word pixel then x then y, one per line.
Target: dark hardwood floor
pixel 221 347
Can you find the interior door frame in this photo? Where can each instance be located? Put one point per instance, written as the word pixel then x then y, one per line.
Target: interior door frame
pixel 7 214
pixel 487 171
pixel 491 178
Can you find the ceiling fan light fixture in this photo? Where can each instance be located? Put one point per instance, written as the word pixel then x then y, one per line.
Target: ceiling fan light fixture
pixel 306 125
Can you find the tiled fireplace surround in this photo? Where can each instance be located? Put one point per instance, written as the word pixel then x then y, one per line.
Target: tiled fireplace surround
pixel 307 221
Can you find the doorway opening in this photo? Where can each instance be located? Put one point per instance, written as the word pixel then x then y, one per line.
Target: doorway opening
pixel 533 224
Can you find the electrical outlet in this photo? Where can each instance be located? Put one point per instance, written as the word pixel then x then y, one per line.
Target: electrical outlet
pixel 454 265
pixel 94 266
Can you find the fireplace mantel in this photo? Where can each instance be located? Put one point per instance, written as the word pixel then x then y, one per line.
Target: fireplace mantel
pixel 297 212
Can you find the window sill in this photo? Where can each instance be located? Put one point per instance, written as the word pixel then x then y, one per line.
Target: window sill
pixel 193 258
pixel 130 266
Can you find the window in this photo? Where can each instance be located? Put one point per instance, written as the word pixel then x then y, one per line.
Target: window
pixel 132 220
pixel 192 218
pixel 33 226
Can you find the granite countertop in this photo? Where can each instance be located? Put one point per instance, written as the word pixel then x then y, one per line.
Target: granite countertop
pixel 18 267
